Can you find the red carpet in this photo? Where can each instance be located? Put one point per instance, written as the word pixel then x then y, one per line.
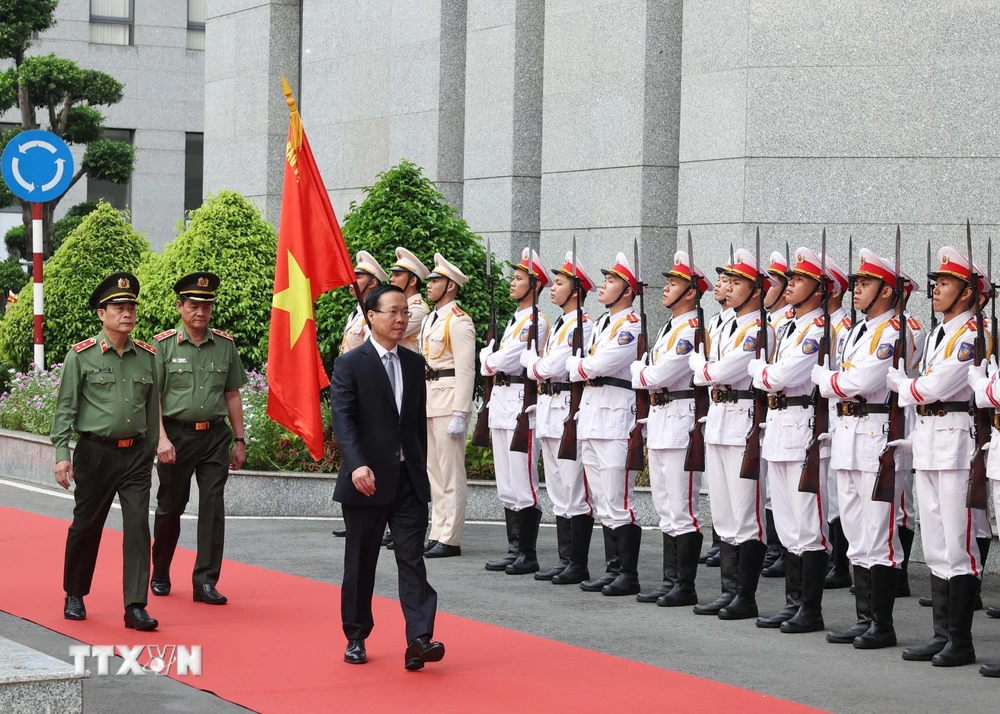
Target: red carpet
pixel 270 655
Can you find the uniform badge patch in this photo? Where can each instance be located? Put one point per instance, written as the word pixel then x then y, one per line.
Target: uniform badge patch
pixel 683 347
pixel 810 346
pixel 569 335
pixel 750 343
pixel 884 350
pixel 965 353
pixel 524 334
pixel 626 338
pixel 781 330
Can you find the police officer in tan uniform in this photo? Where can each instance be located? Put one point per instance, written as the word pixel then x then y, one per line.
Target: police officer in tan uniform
pixel 448 343
pixel 409 275
pixel 369 275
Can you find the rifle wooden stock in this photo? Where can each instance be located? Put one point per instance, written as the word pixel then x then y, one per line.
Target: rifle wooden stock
pixel 750 468
pixel 694 458
pixel 885 480
pixel 977 496
pixel 568 444
pixel 636 459
pixel 481 435
pixel 522 429
pixel 809 481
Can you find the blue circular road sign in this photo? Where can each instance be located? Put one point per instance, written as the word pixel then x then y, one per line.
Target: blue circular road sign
pixel 37 166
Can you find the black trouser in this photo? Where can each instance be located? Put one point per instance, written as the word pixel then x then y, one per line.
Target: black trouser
pixel 206 455
pixel 100 473
pixel 407 519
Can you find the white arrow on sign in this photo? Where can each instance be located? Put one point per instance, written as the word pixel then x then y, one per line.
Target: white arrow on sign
pixel 37 142
pixel 26 185
pixel 59 173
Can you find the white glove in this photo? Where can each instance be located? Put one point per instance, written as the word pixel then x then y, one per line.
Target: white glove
pixel 636 368
pixel 758 382
pixel 697 362
pixel 699 421
pixel 756 367
pixel 894 378
pixel 573 367
pixel 825 437
pixel 903 445
pixel 457 426
pixel 820 374
pixel 976 375
pixel 483 354
pixel 530 409
pixel 529 356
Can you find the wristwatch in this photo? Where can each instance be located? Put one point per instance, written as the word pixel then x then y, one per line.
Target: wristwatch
pixel 240 439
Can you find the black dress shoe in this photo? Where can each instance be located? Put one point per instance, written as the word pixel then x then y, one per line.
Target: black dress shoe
pixel 429 544
pixel 74 609
pixel 160 587
pixel 993 611
pixel 990 670
pixel 926 601
pixel 440 550
pixel 136 618
pixel 387 539
pixel 423 650
pixel 209 595
pixel 340 532
pixel 355 652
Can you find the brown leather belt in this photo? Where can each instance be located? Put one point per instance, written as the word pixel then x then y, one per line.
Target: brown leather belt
pixel 609 382
pixel 126 443
pixel 860 409
pixel 659 399
pixel 726 395
pixel 779 401
pixel 195 425
pixel 552 388
pixel 941 408
pixel 433 374
pixel 505 380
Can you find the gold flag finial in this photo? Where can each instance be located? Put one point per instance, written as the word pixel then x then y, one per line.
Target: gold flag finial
pixel 296 120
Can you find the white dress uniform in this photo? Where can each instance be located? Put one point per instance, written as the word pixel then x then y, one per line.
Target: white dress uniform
pixel 408 262
pixel 841 325
pixel 448 342
pixel 356 328
pixel 917 336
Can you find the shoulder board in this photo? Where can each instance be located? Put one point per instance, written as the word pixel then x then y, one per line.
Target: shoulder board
pixel 757 322
pixel 971 324
pixel 165 335
pixel 846 322
pixel 895 323
pixel 458 311
pixel 220 333
pixel 819 321
pixel 81 346
pixel 143 345
pixel 913 324
pixel 790 313
pixel 693 322
pixel 633 318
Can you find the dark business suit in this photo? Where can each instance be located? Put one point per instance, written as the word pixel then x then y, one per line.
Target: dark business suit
pixel 371 432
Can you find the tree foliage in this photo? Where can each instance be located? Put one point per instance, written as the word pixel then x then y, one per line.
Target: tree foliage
pixel 404 208
pixel 226 236
pixel 103 243
pixel 12 277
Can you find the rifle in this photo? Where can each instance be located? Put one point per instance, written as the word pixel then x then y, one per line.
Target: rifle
pixel 851 280
pixel 809 481
pixel 885 480
pixel 522 429
pixel 982 419
pixel 694 459
pixel 930 287
pixel 481 436
pixel 750 468
pixel 636 459
pixel 993 296
pixel 567 445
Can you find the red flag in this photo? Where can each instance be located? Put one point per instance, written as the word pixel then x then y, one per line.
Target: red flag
pixel 312 258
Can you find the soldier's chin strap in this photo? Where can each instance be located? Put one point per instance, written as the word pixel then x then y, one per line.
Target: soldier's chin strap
pixel 881 284
pixel 808 297
pixel 625 287
pixel 957 298
pixel 756 289
pixel 680 297
pixel 575 291
pixel 770 307
pixel 532 282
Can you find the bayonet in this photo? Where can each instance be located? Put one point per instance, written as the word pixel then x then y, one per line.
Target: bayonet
pixel 694 459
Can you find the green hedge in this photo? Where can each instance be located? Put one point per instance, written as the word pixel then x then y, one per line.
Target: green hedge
pixel 226 236
pixel 103 243
pixel 12 277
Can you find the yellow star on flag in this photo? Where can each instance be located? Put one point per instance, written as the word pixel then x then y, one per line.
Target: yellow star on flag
pixel 296 299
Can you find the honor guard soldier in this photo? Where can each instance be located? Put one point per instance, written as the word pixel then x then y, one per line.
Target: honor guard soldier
pixel 448 343
pixel 736 502
pixel 200 376
pixel 565 480
pixel 858 438
pixel 368 275
pixel 409 275
pixel 676 492
pixel 516 472
pixel 605 419
pixel 941 443
pixel 905 515
pixel 108 395
pixel 798 516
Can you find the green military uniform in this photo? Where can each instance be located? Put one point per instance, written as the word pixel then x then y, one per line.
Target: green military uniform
pixel 194 381
pixel 111 401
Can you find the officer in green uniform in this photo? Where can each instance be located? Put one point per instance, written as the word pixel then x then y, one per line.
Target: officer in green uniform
pixel 108 395
pixel 200 374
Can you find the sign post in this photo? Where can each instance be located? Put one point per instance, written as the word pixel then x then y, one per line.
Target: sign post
pixel 37 166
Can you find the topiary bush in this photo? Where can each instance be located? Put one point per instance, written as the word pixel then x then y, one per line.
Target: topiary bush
pixel 12 277
pixel 104 243
pixel 16 241
pixel 226 236
pixel 404 208
pixel 68 223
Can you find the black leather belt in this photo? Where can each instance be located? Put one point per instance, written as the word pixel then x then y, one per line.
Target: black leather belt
pixel 552 388
pixel 659 399
pixel 431 374
pixel 779 401
pixel 126 443
pixel 942 408
pixel 195 425
pixel 860 409
pixel 609 382
pixel 726 395
pixel 505 380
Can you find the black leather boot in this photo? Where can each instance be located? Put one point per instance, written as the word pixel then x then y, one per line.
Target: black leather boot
pixel 903 579
pixel 990 670
pixel 614 565
pixel 862 606
pixel 984 552
pixel 793 594
pixel 839 575
pixel 939 597
pixel 581 529
pixel 683 592
pixel 880 633
pixel 563 544
pixel 809 618
pixel 501 564
pixel 744 605
pixel 993 611
pixel 962 593
pixel 712 554
pixel 627 538
pixel 527 559
pixel 729 567
pixel 669 572
pixel 773 543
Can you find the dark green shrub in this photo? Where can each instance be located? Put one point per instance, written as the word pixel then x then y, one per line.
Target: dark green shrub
pixel 68 223
pixel 12 277
pixel 16 241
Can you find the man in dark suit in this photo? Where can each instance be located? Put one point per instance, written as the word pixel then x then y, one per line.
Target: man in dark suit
pixel 378 397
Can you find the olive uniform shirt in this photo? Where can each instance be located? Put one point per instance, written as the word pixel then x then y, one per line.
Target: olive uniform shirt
pixel 106 395
pixel 194 379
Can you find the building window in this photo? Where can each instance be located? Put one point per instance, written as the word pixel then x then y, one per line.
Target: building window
pixel 119 195
pixel 194 166
pixel 196 24
pixel 111 21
